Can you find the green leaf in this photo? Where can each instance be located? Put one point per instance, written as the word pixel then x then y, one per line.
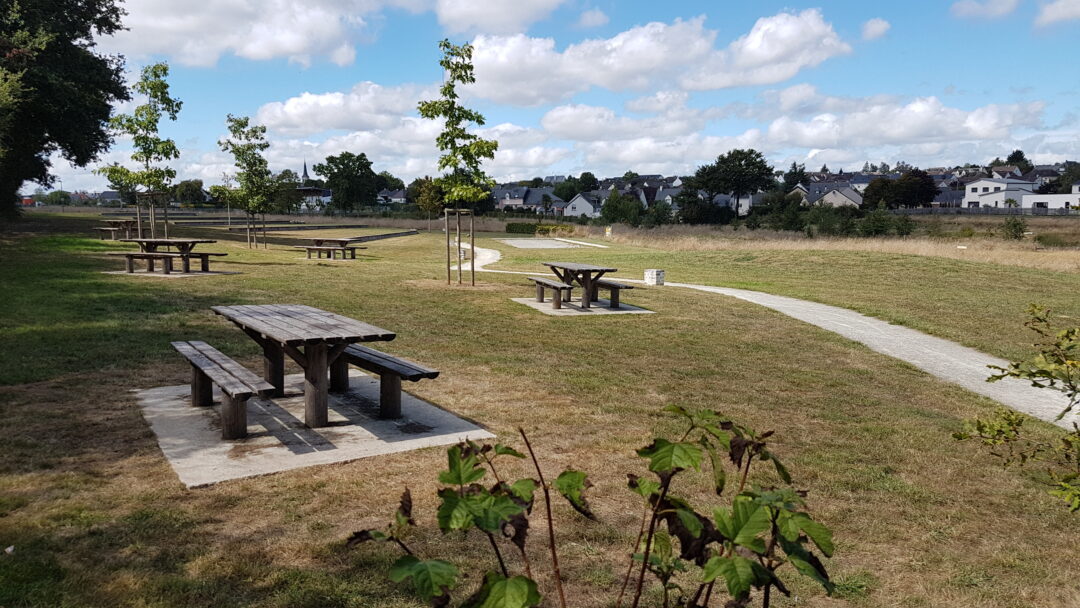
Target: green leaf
pixel 572 484
pixel 737 572
pixel 524 489
pixel 719 474
pixel 666 457
pixel 722 436
pixel 679 411
pixel 454 512
pixel 430 578
pixel 501 592
pixel 490 512
pixel 818 533
pixel 502 450
pixel 461 470
pixel 643 487
pixel 691 521
pixel 781 470
pixel 806 563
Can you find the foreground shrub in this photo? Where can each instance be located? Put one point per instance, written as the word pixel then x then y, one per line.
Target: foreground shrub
pixel 1055 365
pixel 695 558
pixel 521 228
pixel 1014 228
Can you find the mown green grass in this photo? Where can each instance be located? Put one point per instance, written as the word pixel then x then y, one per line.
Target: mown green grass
pixel 97 517
pixel 976 304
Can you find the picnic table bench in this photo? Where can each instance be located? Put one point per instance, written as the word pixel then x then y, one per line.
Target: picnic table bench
pixel 210 366
pixel 108 230
pixel 613 288
pixel 392 370
pixel 285 329
pixel 585 275
pixel 149 251
pixel 347 251
pixel 557 288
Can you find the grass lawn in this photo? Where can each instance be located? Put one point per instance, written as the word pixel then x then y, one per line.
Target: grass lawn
pixel 98 518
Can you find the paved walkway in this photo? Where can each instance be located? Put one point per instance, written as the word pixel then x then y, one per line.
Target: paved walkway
pixel 947 360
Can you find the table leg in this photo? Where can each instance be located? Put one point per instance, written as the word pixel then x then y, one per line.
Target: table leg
pixel 149 264
pixel 586 290
pixel 315 386
pixel 339 375
pixel 185 264
pixel 274 367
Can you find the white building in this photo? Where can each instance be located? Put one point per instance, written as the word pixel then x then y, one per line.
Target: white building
pixel 994 192
pixel 1047 202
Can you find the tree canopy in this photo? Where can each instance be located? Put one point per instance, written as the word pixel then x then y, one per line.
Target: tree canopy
pixel 738 173
pixel 794 176
pixel 247 142
pixel 56 92
pixel 464 180
pixel 352 180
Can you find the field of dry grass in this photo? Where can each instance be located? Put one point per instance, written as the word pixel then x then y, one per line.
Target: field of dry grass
pixel 980 248
pixel 97 518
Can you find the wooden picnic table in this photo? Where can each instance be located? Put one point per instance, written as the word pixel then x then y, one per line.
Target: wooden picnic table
pixel 124 224
pixel 181 245
pixel 285 329
pixel 585 275
pixel 318 241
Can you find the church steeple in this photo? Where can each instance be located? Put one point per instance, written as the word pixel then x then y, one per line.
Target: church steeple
pixel 305 175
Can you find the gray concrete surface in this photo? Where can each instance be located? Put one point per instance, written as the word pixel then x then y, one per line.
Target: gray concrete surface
pixel 190 437
pixel 571 309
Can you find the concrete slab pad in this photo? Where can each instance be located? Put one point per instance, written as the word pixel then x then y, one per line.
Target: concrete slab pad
pixel 190 437
pixel 176 274
pixel 539 244
pixel 571 309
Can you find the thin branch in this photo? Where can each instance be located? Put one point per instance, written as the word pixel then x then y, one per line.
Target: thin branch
pixel 550 524
pixel 498 554
pixel 648 541
pixel 402 545
pixel 630 566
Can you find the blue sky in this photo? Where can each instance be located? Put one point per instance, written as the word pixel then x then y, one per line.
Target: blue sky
pixel 606 86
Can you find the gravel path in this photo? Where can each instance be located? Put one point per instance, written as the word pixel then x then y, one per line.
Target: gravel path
pixel 947 360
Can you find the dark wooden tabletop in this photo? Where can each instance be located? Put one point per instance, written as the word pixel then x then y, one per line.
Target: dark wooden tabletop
pixel 297 324
pixel 575 267
pixel 167 241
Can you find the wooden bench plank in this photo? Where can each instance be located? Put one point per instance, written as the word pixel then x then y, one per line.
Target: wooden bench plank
pixel 609 284
pixel 552 283
pixel 380 363
pixel 221 377
pixel 241 373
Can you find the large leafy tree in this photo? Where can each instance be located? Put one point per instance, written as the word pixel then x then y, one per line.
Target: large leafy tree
pixel 914 189
pixel 794 176
pixel 189 191
pixel 463 180
pixel 738 173
pixel 256 184
pixel 588 182
pixel 150 151
pixel 622 208
pixel 878 192
pixel 56 93
pixel 1020 160
pixel 351 178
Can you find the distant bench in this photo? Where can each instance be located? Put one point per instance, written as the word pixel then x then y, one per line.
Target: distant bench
pixel 209 366
pixel 392 370
pixel 557 288
pixel 330 251
pixel 166 258
pixel 108 230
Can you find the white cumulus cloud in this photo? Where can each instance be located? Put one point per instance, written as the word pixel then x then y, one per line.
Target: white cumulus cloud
pixel 1058 10
pixel 985 9
pixel 875 28
pixel 367 106
pixel 593 17
pixel 776 49
pixel 200 34
pixel 492 16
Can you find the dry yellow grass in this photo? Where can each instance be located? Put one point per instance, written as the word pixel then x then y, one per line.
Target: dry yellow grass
pixel 989 250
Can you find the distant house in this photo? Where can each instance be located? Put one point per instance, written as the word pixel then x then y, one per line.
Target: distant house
pixel 585 203
pixel 990 192
pixel 948 198
pixel 313 199
pixel 837 197
pixel 1005 171
pixel 391 197
pixel 554 179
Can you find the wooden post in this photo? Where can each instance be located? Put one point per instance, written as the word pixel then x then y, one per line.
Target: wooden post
pixel 165 207
pixel 539 293
pixel 315 386
pixel 389 396
pixel 339 375
pixel 233 417
pixel 446 228
pixel 556 300
pixel 457 246
pixel 273 367
pixel 472 247
pixel 202 389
